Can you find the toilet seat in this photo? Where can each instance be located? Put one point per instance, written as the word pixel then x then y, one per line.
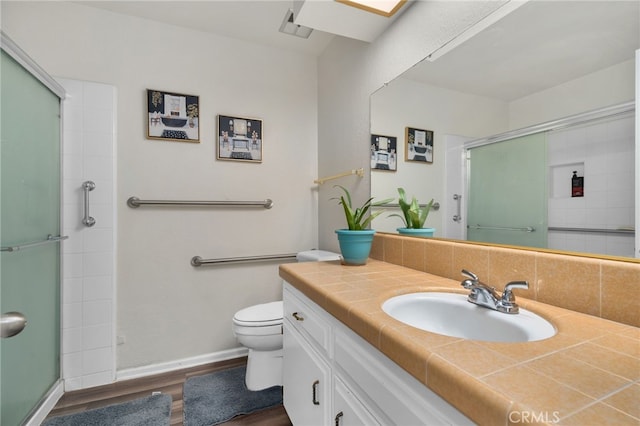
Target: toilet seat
pixel 258 316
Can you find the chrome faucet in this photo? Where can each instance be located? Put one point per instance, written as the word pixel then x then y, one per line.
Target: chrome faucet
pixel 485 296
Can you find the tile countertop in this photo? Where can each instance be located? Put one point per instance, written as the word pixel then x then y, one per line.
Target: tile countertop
pixel 587 374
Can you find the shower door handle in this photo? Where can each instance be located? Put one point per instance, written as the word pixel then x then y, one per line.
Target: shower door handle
pixel 88 186
pixel 12 323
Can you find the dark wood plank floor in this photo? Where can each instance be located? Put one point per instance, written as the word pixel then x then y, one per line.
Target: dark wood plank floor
pixel 169 383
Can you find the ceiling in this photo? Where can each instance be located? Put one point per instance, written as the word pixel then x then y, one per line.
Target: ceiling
pixel 255 21
pixel 539 45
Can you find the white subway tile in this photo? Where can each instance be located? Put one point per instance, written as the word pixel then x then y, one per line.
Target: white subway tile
pixel 98 379
pixel 71 340
pixel 98 288
pixel 98 240
pixel 97 360
pixel 72 364
pixel 99 263
pixel 99 336
pixel 72 265
pixel 71 315
pixel 97 312
pixel 72 290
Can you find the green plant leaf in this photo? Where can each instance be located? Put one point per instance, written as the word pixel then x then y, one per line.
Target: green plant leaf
pixel 413 215
pixel 357 218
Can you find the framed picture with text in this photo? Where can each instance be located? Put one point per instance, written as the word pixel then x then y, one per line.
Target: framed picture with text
pixel 418 145
pixel 239 139
pixel 172 116
pixel 384 153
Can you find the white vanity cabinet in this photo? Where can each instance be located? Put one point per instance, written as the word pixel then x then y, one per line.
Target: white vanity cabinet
pixel 352 382
pixel 307 379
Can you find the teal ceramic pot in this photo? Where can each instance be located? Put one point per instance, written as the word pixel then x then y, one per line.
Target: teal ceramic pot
pixel 355 246
pixel 417 232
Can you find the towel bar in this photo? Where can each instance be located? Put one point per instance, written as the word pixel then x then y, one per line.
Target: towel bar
pixel 49 239
pixel 198 261
pixel 135 202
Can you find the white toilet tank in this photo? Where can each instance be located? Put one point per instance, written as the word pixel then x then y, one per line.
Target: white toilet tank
pixel 316 256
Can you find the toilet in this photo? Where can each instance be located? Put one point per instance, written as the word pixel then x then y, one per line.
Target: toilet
pixel 259 329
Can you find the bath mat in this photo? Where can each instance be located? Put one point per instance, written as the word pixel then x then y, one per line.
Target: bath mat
pixel 217 397
pixel 153 410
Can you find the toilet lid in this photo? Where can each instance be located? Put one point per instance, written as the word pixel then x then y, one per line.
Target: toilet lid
pixel 263 314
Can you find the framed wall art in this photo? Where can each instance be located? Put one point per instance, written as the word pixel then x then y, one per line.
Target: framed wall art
pixel 239 139
pixel 384 151
pixel 172 116
pixel 418 145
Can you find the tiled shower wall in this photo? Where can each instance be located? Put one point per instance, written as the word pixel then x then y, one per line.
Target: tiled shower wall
pixel 603 153
pixel 88 256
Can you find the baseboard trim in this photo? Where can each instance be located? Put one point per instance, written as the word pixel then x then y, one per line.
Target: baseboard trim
pixel 46 405
pixel 165 367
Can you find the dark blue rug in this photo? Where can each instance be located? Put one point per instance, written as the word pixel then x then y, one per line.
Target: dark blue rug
pixel 218 397
pixel 154 410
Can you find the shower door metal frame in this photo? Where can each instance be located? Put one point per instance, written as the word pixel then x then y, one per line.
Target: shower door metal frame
pixel 46 404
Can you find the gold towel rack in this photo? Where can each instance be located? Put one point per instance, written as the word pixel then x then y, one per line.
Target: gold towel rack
pixel 359 172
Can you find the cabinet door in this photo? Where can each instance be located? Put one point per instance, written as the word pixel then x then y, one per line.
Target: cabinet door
pixel 306 381
pixel 348 410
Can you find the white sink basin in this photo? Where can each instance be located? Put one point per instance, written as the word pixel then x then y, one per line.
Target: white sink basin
pixel 452 315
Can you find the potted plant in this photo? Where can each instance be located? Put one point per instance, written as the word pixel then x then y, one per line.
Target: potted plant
pixel 355 241
pixel 413 216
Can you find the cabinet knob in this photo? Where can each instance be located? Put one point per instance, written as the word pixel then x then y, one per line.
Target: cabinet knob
pixel 297 316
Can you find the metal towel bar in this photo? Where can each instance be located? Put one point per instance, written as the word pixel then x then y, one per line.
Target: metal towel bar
pixel 435 206
pixel 198 261
pixel 503 228
pixel 593 230
pixel 135 202
pixel 49 239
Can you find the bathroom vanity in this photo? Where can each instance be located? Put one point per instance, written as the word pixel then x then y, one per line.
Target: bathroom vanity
pixel 347 362
pixel 333 376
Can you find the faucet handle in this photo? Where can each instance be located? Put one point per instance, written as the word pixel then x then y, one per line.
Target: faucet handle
pixel 469 274
pixel 471 281
pixel 507 295
pixel 508 303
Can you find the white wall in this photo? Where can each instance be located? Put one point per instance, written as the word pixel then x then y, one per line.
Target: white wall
pixel 609 86
pixel 168 310
pixel 406 103
pixel 349 72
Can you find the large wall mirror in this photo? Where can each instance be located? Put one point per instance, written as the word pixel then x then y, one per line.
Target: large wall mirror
pixel 516 106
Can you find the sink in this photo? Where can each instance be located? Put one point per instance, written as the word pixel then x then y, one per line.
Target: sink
pixel 450 314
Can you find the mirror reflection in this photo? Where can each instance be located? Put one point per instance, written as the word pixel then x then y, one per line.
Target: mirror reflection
pixel 533 123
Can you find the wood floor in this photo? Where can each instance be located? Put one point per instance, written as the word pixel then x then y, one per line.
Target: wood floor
pixel 168 383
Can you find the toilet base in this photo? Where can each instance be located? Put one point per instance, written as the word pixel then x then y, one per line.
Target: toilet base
pixel 264 369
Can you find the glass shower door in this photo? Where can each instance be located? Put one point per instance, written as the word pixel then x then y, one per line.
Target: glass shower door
pixel 29 225
pixel 508 192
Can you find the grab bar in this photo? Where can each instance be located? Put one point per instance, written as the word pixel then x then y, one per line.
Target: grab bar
pixel 458 217
pixel 503 228
pixel 88 186
pixel 135 202
pixel 198 261
pixel 435 206
pixel 593 230
pixel 50 239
